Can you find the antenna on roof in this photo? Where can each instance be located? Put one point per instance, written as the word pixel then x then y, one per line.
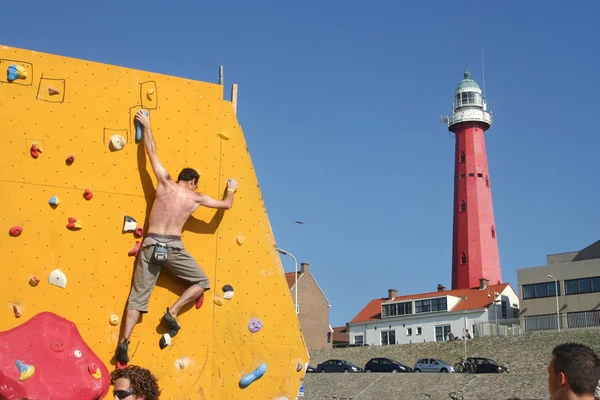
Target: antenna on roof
pixel 482 71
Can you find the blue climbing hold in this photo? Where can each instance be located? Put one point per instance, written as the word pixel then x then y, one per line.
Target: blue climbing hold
pixel 54 201
pixel 253 376
pixel 138 130
pixel 16 71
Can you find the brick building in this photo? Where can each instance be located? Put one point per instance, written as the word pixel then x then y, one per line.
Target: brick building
pixel 313 309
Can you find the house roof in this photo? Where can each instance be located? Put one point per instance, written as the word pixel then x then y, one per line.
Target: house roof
pixel 289 277
pixel 475 299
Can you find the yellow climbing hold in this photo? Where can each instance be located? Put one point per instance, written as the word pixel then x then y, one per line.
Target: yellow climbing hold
pixel 150 95
pixel 26 370
pixel 114 319
pixel 240 239
pixel 223 135
pixel 218 301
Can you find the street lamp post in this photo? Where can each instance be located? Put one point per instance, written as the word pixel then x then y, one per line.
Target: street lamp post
pixel 557 309
pixel 295 276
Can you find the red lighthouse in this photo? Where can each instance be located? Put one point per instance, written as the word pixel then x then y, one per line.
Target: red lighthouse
pixel 474 243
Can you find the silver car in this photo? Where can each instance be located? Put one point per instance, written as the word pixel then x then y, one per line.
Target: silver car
pixel 432 365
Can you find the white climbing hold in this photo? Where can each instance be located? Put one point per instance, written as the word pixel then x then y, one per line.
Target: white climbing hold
pixel 129 224
pixel 57 278
pixel 117 142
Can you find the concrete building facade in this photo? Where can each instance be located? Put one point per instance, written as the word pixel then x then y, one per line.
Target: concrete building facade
pixel 428 317
pixel 313 309
pixel 576 275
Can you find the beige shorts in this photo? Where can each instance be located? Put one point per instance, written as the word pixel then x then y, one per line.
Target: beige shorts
pixel 147 269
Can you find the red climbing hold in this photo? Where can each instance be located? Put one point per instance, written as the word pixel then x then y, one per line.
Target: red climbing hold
pixel 35 150
pixel 59 375
pixel 139 232
pixel 133 252
pixel 88 194
pixel 70 160
pixel 200 301
pixel 74 224
pixel 15 230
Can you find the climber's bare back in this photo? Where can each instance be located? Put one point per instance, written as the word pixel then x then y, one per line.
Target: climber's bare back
pixel 172 207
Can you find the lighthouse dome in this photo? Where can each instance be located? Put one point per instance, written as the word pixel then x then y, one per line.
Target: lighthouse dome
pixel 467 83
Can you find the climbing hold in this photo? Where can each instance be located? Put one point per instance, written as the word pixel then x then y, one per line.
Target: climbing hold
pixel 70 160
pixel 134 251
pixel 34 280
pixel 94 371
pixel 35 150
pixel 16 71
pixel 224 135
pixel 138 130
pixel 54 201
pixel 240 239
pixel 200 301
pixel 150 94
pixel 74 223
pixel 299 367
pixel 57 347
pixel 117 142
pixel 26 371
pixel 52 91
pixel 253 376
pixel 139 232
pixel 57 278
pixel 255 325
pixel 114 319
pixel 165 340
pixel 129 224
pixel 77 353
pixel 218 301
pixel 17 310
pixel 15 230
pixel 88 194
pixel 228 292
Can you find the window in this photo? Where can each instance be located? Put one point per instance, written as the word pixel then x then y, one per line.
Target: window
pixel 462 176
pixel 487 181
pixel 423 306
pixel 462 157
pixel 408 331
pixel 479 175
pixel 582 285
pixel 463 206
pixel 463 258
pixel 388 337
pixel 515 312
pixel 358 340
pixel 441 332
pixel 419 330
pixel 391 310
pixel 504 310
pixel 471 174
pixel 538 290
pixel 493 231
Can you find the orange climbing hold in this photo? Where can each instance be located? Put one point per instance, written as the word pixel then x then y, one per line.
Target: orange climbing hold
pixel 17 310
pixel 34 281
pixel 70 160
pixel 52 91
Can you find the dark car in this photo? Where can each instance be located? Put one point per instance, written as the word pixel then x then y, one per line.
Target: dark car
pixel 382 364
pixel 488 366
pixel 337 366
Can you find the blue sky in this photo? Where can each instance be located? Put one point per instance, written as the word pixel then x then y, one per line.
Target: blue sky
pixel 340 103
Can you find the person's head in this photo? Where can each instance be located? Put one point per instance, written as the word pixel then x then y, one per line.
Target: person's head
pixel 573 369
pixel 134 383
pixel 188 178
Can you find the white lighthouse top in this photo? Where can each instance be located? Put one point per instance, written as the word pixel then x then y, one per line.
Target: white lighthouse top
pixel 469 104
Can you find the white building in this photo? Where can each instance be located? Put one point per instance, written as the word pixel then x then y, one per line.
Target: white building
pixel 429 317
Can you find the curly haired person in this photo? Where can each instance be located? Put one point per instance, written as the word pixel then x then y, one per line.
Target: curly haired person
pixel 134 383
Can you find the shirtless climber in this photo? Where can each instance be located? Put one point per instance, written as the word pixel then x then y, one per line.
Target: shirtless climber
pixel 173 204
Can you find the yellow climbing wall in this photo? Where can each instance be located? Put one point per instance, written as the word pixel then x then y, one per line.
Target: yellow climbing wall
pixel 193 126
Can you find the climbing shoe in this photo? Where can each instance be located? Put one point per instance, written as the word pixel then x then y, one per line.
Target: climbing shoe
pixel 122 356
pixel 171 322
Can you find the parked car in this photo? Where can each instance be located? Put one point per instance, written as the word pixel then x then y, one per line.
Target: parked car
pixel 382 364
pixel 338 366
pixel 432 365
pixel 488 366
pixel 310 369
